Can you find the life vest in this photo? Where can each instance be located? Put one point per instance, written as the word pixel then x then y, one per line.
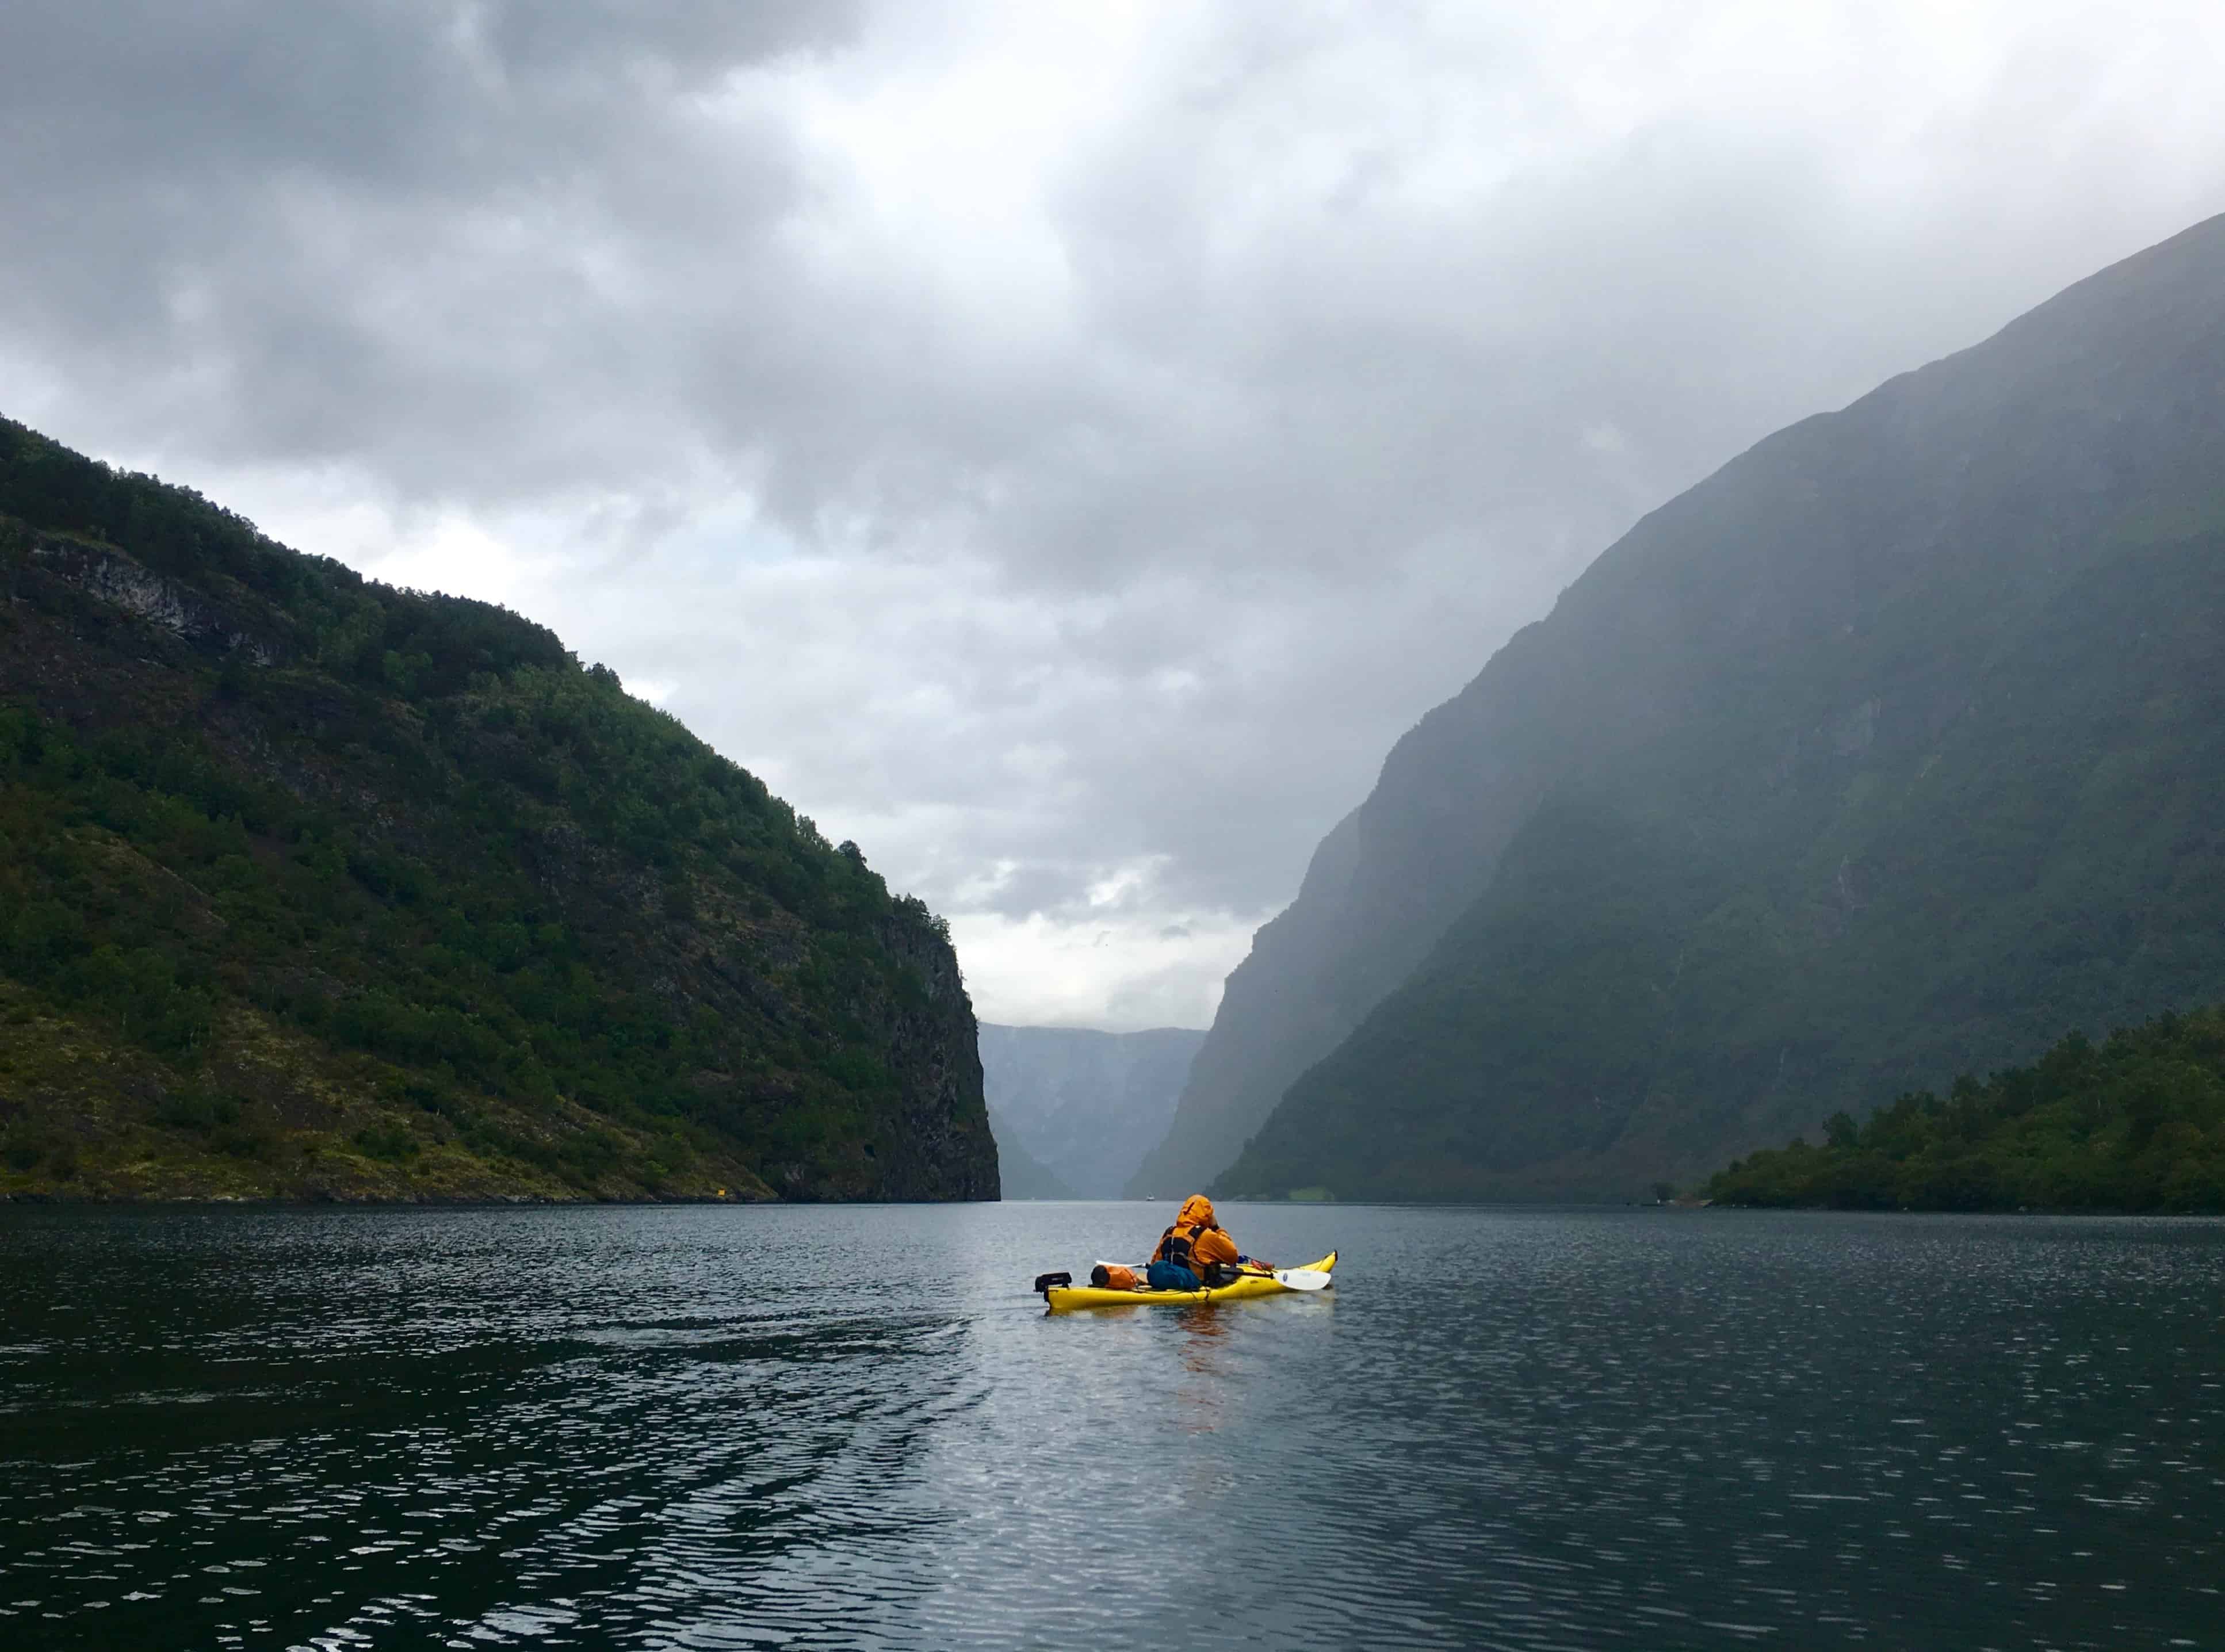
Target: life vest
pixel 1175 1244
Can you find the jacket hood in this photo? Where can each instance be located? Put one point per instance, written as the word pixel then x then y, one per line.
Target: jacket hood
pixel 1196 1211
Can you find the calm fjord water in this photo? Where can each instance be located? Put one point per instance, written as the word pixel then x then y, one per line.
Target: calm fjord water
pixel 841 1426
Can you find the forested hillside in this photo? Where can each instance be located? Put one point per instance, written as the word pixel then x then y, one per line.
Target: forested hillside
pixel 312 886
pixel 2135 1123
pixel 1887 752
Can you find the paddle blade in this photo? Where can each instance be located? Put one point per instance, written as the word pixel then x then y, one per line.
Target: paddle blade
pixel 1302 1279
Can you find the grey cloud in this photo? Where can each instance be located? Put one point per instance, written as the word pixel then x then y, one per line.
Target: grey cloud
pixel 1142 517
pixel 389 234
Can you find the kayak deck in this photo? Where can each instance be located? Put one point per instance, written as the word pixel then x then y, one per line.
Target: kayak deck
pixel 1064 1298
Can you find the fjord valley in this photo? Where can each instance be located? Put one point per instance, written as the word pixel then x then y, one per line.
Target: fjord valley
pixel 1892 750
pixel 1075 1109
pixel 314 888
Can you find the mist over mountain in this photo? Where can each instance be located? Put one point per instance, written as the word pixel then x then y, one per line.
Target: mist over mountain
pixel 314 888
pixel 1086 1104
pixel 1892 749
pixel 1021 1176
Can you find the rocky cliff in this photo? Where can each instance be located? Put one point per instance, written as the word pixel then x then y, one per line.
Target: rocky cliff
pixel 314 888
pixel 1888 751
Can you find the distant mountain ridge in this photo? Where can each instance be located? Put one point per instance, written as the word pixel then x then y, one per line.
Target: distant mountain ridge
pixel 314 888
pixel 1892 749
pixel 1085 1103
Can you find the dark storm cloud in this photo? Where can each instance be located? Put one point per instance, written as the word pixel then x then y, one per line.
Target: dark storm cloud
pixel 1060 447
pixel 398 233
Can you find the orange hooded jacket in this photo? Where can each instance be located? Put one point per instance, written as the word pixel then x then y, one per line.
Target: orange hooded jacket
pixel 1195 1240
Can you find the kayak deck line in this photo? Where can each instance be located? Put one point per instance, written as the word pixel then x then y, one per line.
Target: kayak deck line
pixel 1065 1299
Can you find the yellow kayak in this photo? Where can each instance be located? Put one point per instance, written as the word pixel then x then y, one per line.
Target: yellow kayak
pixel 1064 1298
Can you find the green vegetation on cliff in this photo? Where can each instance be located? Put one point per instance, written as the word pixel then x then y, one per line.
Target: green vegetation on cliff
pixel 313 887
pixel 2137 1124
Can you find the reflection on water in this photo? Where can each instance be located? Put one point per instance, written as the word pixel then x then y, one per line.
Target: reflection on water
pixel 1203 1328
pixel 832 1428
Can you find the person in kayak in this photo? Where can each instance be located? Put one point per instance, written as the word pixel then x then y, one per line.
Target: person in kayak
pixel 1191 1247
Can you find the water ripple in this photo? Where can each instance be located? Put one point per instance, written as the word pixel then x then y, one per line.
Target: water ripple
pixel 824 1428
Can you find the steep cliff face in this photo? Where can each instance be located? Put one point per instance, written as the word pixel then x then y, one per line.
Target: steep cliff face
pixel 1283 1008
pixel 1877 755
pixel 313 887
pixel 942 1146
pixel 1086 1104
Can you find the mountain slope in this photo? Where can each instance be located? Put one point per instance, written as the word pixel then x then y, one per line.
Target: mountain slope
pixel 1301 988
pixel 314 888
pixel 1087 1104
pixel 1887 751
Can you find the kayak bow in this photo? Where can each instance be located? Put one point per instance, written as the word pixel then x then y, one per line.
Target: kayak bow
pixel 1064 1298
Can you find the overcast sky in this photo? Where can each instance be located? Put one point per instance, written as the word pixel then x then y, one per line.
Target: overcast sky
pixel 1060 446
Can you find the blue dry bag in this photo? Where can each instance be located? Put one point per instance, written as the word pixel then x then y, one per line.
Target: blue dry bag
pixel 1169 1276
